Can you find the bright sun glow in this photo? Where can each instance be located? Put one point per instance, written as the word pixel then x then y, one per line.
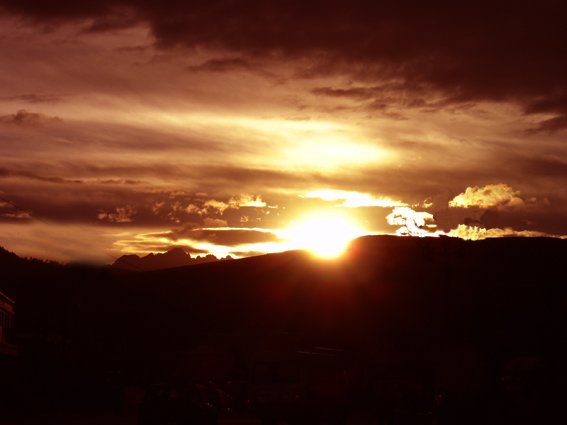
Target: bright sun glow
pixel 325 237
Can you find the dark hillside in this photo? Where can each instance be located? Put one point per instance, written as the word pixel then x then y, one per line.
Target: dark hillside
pixel 509 292
pixel 504 292
pixel 463 309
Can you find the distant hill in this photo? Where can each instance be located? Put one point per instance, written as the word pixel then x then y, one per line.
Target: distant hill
pixel 173 258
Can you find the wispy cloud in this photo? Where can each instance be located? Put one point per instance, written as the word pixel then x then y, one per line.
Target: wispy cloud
pixel 353 199
pixel 34 98
pixel 23 118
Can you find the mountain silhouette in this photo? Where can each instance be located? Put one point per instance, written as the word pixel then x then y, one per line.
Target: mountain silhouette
pixel 176 257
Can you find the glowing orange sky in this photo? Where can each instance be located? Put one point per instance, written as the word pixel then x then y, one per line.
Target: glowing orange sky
pixel 129 127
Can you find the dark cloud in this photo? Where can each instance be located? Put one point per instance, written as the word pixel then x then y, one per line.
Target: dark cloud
pixel 93 182
pixel 119 19
pixel 97 201
pixel 120 181
pixel 247 253
pixel 77 203
pixel 358 93
pixel 551 125
pixel 4 173
pixel 33 98
pixel 551 221
pixel 223 65
pixel 152 246
pixel 490 219
pixel 10 211
pixel 109 187
pixel 545 166
pixel 24 118
pixel 224 237
pixel 405 180
pixel 379 98
pixel 482 51
pixel 468 221
pixel 111 136
pixel 60 11
pixel 231 65
pixel 223 182
pixel 556 103
pixel 233 178
pixel 137 49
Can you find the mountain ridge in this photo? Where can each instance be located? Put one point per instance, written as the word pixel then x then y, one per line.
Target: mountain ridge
pixel 175 257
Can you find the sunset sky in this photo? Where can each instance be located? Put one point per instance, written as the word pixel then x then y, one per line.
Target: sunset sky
pixel 246 127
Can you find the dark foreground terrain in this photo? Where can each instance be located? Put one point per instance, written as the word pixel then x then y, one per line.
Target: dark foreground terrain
pixel 433 330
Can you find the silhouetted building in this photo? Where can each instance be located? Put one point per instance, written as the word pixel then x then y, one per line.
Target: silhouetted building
pixel 7 336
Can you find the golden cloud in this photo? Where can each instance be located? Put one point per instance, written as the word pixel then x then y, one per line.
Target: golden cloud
pixel 469 233
pixel 122 215
pixel 508 231
pixel 246 200
pixel 213 206
pixel 493 195
pixel 353 199
pixel 209 207
pixel 478 233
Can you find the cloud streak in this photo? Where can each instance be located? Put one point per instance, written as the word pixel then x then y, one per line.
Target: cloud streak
pixel 33 98
pixel 353 199
pixel 23 118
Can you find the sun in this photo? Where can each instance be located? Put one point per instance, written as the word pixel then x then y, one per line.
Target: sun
pixel 326 237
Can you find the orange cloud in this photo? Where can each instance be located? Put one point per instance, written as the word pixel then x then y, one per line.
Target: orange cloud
pixel 353 199
pixel 209 207
pixel 468 232
pixel 246 200
pixel 478 233
pixel 493 195
pixel 213 206
pixel 500 233
pixel 122 215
